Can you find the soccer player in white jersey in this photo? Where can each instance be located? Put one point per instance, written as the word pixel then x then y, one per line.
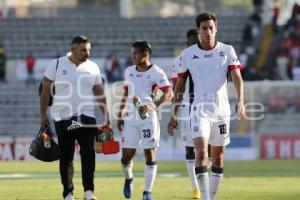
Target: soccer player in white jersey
pixel 184 118
pixel 208 62
pixel 139 123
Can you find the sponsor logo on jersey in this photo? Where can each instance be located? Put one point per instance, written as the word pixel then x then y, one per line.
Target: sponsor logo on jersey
pixel 234 60
pixel 131 74
pixel 162 80
pixel 221 53
pixel 148 77
pixel 139 75
pixel 195 57
pixel 208 55
pixel 64 72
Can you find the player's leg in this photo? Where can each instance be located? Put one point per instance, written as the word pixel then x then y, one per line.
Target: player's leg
pixel 130 140
pixel 150 172
pixel 200 129
pixel 218 140
pixel 190 166
pixel 150 134
pixel 201 162
pixel 187 141
pixel 127 167
pixel 216 176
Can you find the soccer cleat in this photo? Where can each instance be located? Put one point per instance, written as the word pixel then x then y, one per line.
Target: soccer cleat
pixel 128 188
pixel 88 195
pixel 69 197
pixel 147 195
pixel 196 194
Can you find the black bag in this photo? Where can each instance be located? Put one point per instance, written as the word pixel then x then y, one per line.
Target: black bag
pixel 43 147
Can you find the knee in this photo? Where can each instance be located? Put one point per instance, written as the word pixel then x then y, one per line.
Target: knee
pixel 126 159
pixel 218 160
pixel 201 154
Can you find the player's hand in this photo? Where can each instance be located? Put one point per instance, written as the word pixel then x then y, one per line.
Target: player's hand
pixel 240 110
pixel 145 108
pixel 44 120
pixel 120 125
pixel 172 125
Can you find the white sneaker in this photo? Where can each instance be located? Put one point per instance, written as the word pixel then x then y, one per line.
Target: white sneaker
pixel 69 197
pixel 88 195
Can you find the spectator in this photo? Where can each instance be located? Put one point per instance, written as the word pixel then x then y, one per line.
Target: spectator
pixel 113 68
pixel 2 62
pixel 275 15
pixel 30 64
pixel 282 62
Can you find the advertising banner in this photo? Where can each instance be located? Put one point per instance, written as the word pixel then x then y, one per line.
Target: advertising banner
pixel 280 146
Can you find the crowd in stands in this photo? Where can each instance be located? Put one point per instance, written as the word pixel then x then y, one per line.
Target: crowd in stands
pixel 288 59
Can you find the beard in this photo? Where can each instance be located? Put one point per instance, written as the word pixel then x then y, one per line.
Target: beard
pixel 84 58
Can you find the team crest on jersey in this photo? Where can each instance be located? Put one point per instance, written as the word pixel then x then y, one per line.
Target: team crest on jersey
pixel 148 77
pixel 162 75
pixel 196 128
pixel 64 72
pixel 208 55
pixel 195 57
pixel 221 53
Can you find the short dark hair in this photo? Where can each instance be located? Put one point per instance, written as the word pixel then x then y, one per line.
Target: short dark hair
pixel 191 32
pixel 143 46
pixel 80 39
pixel 205 17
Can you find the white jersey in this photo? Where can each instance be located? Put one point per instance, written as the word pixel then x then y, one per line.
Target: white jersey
pixel 73 87
pixel 209 69
pixel 142 84
pixel 175 70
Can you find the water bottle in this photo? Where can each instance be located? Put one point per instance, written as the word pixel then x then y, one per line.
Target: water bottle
pixel 137 103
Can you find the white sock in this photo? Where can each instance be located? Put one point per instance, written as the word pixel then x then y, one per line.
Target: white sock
pixel 215 182
pixel 203 181
pixel 127 170
pixel 150 175
pixel 190 166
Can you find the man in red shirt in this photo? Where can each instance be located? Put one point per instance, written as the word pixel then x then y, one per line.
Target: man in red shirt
pixel 30 63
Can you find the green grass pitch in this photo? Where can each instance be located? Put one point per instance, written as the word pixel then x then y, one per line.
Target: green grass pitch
pixel 243 180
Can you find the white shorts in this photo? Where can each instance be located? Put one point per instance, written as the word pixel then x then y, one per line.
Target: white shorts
pixel 146 132
pixel 217 131
pixel 184 121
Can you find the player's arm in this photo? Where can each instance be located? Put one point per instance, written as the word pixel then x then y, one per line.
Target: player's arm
pixel 178 96
pixel 98 91
pixel 123 103
pixel 44 100
pixel 239 88
pixel 167 96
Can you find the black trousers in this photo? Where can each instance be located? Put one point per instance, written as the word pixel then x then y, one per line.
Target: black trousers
pixel 66 140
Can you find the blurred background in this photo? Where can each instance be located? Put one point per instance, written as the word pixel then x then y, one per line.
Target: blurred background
pixel 265 34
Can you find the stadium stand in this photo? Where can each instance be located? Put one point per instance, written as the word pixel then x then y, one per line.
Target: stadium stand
pixel 48 37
